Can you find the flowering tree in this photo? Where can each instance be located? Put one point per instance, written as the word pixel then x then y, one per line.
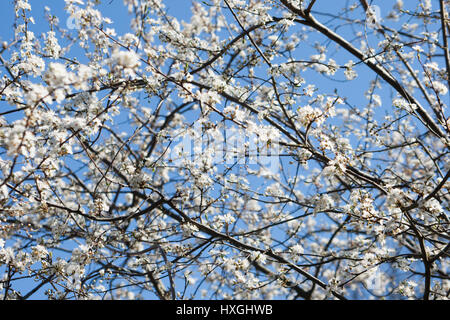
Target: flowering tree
pixel 259 150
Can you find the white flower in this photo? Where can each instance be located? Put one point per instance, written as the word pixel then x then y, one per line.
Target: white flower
pixel 23 5
pixel 439 87
pixel 325 202
pixel 38 252
pixel 6 255
pixel 309 90
pixel 3 192
pixel 227 218
pixel 403 104
pixel 297 249
pixel 126 59
pixel 376 100
pixel 33 64
pixel 432 66
pixel 418 49
pixel 74 1
pixel 240 278
pixel 189 278
pixel 308 114
pixel 258 257
pixel 189 229
pixel 350 74
pixel 75 123
pixel 52 47
pixel 433 206
pixel 332 67
pixel 57 75
pixel 84 72
pixel 339 163
pixel 426 5
pixel 406 288
pixel 37 93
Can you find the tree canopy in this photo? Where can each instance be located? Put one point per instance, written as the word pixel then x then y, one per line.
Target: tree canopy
pixel 257 149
